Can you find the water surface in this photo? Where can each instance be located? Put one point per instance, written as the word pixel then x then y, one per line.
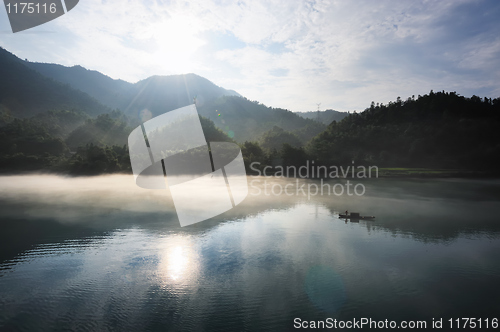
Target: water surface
pixel 101 254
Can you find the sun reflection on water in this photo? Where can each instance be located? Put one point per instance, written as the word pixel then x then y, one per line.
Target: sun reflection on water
pixel 178 262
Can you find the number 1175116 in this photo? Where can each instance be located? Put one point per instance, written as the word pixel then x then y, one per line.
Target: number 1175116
pixel 473 323
pixel 31 8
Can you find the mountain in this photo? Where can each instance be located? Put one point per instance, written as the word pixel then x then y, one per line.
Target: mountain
pixel 160 94
pixel 59 118
pixel 109 92
pixel 25 92
pixel 246 120
pixel 39 87
pixel 241 118
pixel 47 124
pixel 326 117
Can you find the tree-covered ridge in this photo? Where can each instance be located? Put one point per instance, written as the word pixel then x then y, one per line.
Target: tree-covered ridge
pixel 435 130
pixel 107 129
pixel 71 142
pixel 438 130
pixel 274 139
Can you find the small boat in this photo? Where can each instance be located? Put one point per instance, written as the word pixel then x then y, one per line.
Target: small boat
pixel 355 216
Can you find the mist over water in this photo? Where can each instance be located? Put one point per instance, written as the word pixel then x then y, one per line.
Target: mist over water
pixel 101 253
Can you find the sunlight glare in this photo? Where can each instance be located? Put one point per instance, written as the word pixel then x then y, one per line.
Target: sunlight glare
pixel 178 262
pixel 177 43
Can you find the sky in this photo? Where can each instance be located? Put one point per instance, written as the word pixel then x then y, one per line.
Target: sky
pixel 283 53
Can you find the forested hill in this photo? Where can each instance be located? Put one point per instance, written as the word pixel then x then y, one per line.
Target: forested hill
pixel 435 130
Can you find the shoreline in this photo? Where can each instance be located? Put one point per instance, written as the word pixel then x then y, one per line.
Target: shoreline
pixel 384 173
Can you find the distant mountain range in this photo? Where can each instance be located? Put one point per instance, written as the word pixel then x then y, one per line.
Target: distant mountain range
pixel 29 88
pixel 109 92
pixel 25 92
pixel 158 94
pixel 326 117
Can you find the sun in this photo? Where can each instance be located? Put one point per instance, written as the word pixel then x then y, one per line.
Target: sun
pixel 177 43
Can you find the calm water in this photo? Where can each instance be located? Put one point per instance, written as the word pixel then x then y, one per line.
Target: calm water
pixel 100 254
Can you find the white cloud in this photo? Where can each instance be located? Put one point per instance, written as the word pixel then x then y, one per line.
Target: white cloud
pixel 343 54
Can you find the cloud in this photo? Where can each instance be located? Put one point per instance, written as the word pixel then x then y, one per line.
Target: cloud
pixel 290 54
